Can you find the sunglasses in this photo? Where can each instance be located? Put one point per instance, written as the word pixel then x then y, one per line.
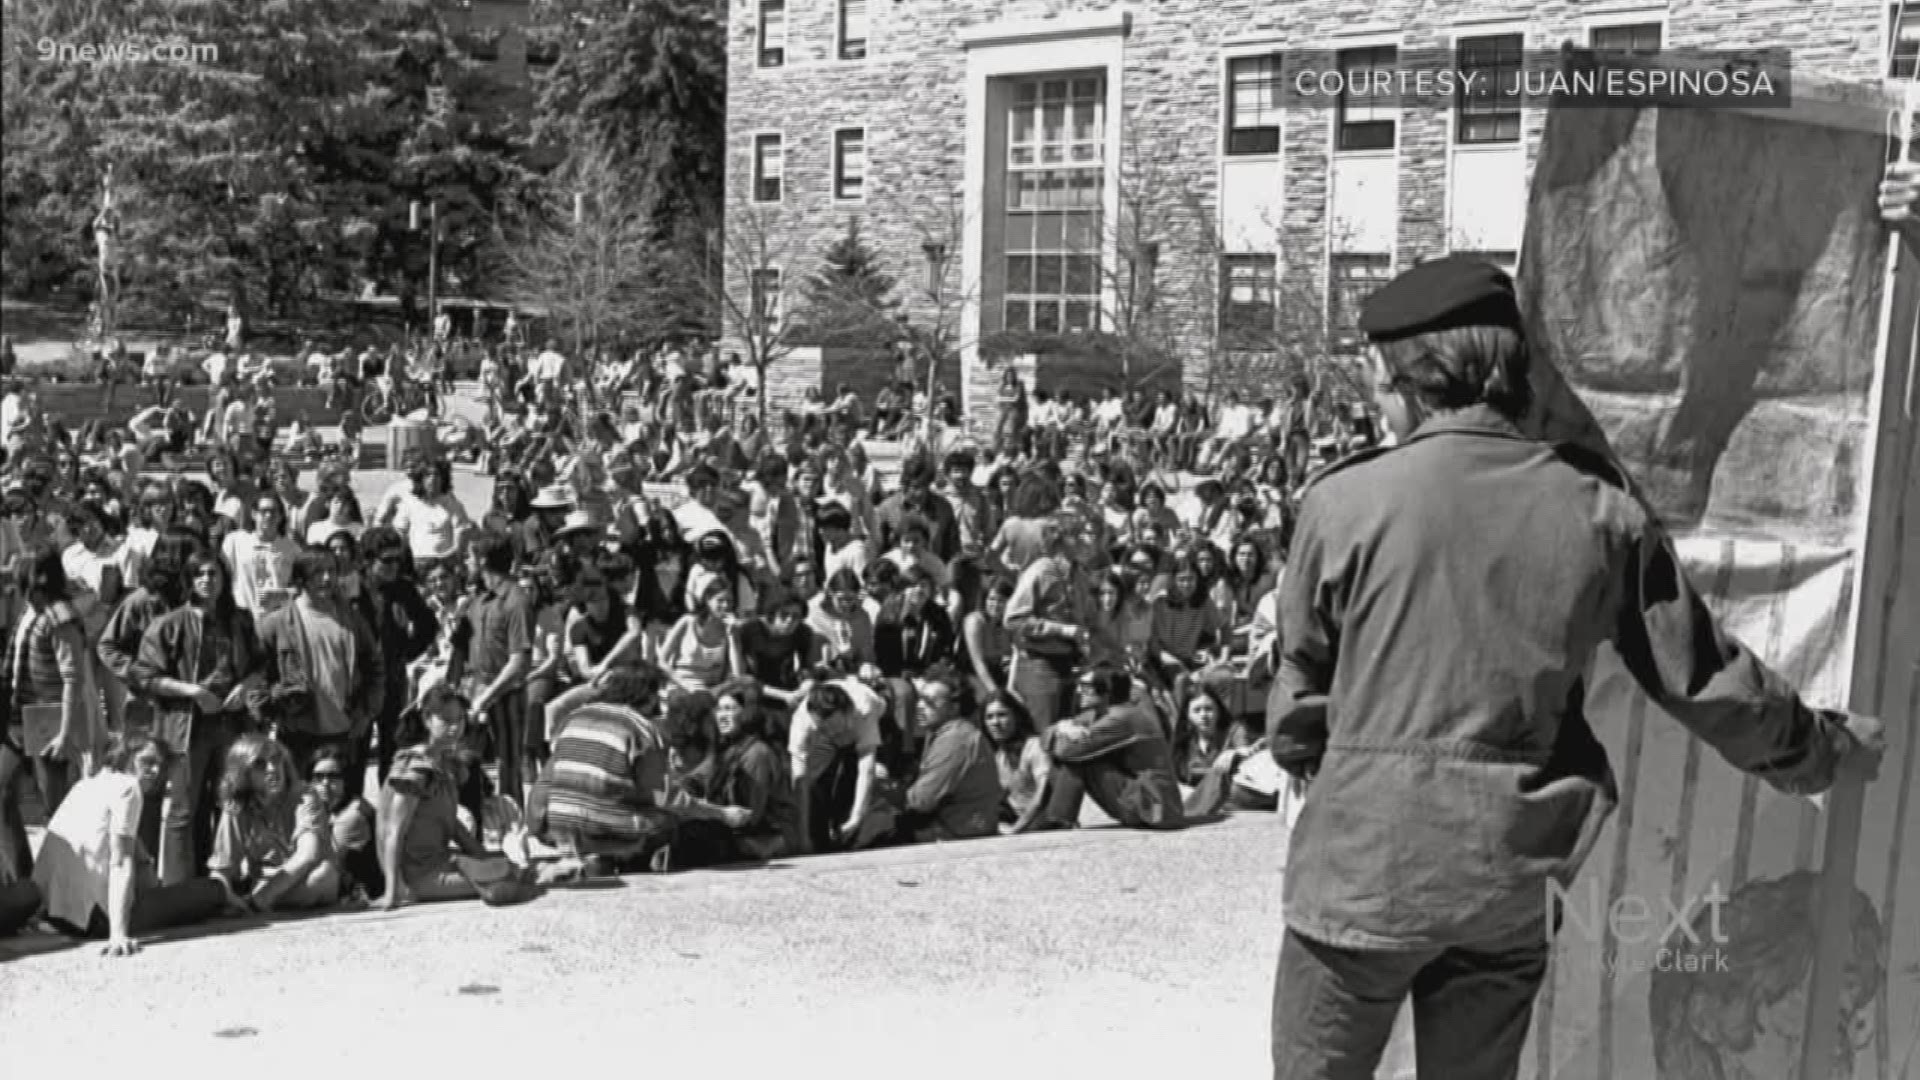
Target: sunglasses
pixel 327 774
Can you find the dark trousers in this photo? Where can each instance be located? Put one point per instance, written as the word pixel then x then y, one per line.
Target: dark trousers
pixel 19 903
pixel 52 777
pixel 1044 688
pixel 507 722
pixel 831 800
pixel 1333 1008
pixel 192 800
pixel 166 907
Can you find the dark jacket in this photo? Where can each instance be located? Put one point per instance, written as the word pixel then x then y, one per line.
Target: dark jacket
pixel 1127 763
pixel 406 628
pixel 958 790
pixel 218 654
pixel 902 648
pixel 1442 607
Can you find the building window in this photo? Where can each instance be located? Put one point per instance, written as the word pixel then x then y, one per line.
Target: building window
pixel 1505 260
pixel 1905 22
pixel 1489 112
pixel 773 33
pixel 765 289
pixel 1247 300
pixel 850 164
pixel 853 29
pixel 769 168
pixel 1056 174
pixel 1639 39
pixel 1253 105
pixel 1353 279
pixel 1368 108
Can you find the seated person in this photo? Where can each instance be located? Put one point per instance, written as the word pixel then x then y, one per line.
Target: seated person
pixel 1218 757
pixel 1116 752
pixel 426 852
pixel 956 794
pixel 273 845
pixel 354 825
pixel 606 798
pixel 92 874
pixel 833 747
pixel 1021 757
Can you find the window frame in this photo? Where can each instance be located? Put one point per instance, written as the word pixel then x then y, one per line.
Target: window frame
pixel 764 49
pixel 767 314
pixel 842 41
pixel 840 177
pixel 1343 314
pixel 759 178
pixel 1073 201
pixel 1489 119
pixel 1894 58
pixel 1364 136
pixel 1262 144
pixel 1597 31
pixel 1260 314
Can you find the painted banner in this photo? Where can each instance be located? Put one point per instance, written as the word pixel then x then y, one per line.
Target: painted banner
pixel 1703 290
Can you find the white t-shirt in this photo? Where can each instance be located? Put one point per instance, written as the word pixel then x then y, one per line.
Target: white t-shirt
pixel 10 413
pixel 549 366
pixel 1236 422
pixel 432 526
pixel 852 557
pixel 261 572
pixel 390 501
pixel 697 521
pixel 811 748
pixel 77 855
pixel 216 366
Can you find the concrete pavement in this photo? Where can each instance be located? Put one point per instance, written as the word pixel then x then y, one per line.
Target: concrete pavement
pixel 1096 953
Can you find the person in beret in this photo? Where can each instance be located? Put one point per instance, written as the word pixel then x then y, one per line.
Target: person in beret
pixel 1443 602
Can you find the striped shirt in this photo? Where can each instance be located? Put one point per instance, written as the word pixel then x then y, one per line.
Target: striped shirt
pixel 609 762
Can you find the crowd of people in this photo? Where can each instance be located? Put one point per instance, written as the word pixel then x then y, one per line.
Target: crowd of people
pixel 249 693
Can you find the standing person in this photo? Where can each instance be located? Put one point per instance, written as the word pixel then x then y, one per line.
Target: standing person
pixel 432 519
pixel 201 663
pixel 1049 618
pixel 261 560
pixel 50 670
pixel 325 672
pixel 498 653
pixel 1011 421
pixel 406 627
pixel 1441 608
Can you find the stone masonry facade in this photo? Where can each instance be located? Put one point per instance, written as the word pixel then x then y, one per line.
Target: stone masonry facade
pixel 909 94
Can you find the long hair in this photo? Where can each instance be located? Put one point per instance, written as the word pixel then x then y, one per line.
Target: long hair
pixel 745 689
pixel 221 607
pixel 1022 719
pixel 40 576
pixel 236 776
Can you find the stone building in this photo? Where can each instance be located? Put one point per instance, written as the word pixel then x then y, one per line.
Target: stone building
pixel 1037 159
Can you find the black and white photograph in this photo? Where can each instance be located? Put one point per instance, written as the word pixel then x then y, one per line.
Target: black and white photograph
pixel 959 539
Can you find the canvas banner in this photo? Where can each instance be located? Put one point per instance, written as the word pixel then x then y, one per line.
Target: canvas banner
pixel 1703 289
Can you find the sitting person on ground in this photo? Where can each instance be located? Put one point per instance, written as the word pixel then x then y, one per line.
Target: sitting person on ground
pixel 92 874
pixel 353 823
pixel 426 852
pixel 1020 756
pixel 273 845
pixel 1213 752
pixel 607 798
pixel 1116 752
pixel 957 794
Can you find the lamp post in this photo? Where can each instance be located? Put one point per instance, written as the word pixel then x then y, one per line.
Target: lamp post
pixel 433 255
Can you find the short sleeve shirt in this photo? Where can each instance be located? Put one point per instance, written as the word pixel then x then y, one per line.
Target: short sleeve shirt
pixel 812 744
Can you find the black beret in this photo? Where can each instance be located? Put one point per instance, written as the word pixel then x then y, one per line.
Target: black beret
pixel 1441 295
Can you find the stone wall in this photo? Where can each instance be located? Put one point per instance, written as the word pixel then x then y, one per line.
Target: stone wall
pixel 909 95
pixel 73 404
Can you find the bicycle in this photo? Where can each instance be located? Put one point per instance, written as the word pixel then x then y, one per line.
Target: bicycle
pixel 388 399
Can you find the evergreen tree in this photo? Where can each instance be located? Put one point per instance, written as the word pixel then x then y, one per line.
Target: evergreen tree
pixel 850 302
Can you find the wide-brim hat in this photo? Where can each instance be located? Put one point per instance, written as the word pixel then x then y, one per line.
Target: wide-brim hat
pixel 553 497
pixel 581 521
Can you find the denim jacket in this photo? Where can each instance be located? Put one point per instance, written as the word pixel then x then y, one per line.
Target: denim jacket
pixel 1442 607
